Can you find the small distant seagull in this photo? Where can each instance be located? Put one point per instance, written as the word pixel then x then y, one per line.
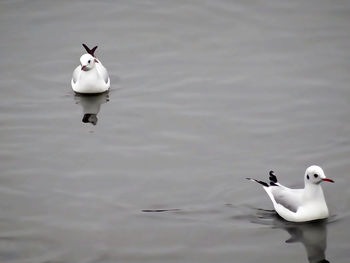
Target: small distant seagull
pixel 299 205
pixel 91 76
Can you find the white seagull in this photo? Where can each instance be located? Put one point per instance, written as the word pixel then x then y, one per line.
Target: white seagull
pixel 299 205
pixel 90 76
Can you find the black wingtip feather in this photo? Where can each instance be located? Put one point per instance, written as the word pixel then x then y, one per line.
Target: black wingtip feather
pixel 273 178
pixel 259 182
pixel 90 51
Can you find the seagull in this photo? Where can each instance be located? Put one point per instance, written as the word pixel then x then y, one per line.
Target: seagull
pixel 299 205
pixel 90 76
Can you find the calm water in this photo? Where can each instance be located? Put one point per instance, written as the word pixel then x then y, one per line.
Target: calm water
pixel 204 93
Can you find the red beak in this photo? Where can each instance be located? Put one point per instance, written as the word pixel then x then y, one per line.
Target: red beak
pixel 328 180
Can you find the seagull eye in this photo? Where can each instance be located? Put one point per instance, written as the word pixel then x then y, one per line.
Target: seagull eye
pixel 89 61
pixel 308 177
pixel 315 175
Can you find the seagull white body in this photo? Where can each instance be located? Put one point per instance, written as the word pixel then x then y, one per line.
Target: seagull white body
pixel 299 205
pixel 90 76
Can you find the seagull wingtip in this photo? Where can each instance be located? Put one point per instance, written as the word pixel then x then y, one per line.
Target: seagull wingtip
pixel 90 51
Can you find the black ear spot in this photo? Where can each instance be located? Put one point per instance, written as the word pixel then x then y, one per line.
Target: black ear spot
pixel 315 175
pixel 308 177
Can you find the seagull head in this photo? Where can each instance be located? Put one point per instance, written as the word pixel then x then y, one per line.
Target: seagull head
pixel 315 175
pixel 87 62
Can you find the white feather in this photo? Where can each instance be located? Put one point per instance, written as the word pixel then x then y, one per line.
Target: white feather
pixel 94 79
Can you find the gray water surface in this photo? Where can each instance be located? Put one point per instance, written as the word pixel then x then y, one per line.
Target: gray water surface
pixel 204 93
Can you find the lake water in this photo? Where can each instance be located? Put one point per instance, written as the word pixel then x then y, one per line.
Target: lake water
pixel 204 93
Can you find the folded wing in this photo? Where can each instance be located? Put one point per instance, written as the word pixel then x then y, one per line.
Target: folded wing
pixel 102 71
pixel 76 74
pixel 291 199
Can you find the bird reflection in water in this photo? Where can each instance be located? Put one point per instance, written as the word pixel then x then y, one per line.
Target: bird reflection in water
pixel 313 235
pixel 91 105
